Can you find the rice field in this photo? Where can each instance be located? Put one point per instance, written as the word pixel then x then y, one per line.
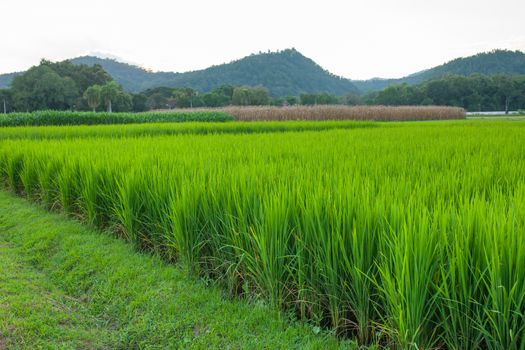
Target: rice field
pixel 408 236
pixel 158 129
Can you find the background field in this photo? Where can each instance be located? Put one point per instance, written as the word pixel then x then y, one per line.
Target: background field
pixel 404 235
pixel 40 118
pixel 259 113
pixel 335 112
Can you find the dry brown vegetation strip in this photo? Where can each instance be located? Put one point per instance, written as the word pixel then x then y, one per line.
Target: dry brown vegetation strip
pixel 338 112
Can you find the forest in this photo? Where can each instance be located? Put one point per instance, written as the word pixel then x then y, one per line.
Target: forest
pixel 68 86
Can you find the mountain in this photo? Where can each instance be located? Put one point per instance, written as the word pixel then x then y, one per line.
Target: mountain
pixel 289 73
pixel 132 78
pixel 5 79
pixel 489 63
pixel 283 73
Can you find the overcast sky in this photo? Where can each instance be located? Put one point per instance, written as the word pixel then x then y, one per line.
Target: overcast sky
pixel 355 39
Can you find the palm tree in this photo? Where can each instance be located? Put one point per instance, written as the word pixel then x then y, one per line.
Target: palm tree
pixel 92 96
pixel 109 92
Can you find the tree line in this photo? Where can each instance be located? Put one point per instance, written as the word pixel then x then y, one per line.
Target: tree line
pixel 474 93
pixel 64 86
pixel 67 86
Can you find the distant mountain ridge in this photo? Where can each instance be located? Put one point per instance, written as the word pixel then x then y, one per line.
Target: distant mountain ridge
pixel 6 79
pixel 283 73
pixel 131 77
pixel 289 73
pixel 488 63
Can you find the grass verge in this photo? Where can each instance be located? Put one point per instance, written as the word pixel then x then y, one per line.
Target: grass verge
pixel 63 285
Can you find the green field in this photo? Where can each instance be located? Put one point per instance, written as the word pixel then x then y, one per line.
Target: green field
pixel 64 286
pixel 403 235
pixel 159 129
pixel 42 118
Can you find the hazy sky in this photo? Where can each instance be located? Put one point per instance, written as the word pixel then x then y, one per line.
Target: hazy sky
pixel 355 39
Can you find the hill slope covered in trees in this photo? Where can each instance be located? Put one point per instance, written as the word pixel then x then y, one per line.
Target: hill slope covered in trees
pixel 283 73
pixel 289 73
pixel 495 62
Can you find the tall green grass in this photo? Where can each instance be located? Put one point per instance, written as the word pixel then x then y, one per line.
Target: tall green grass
pixel 409 237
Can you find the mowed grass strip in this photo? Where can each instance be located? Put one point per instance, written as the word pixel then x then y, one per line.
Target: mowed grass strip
pixel 64 286
pixel 35 313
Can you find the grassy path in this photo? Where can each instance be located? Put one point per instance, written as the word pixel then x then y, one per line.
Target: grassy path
pixel 64 286
pixel 34 313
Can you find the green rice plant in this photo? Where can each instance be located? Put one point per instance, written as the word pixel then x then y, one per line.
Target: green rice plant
pixel 320 238
pixel 187 234
pixel 265 260
pixel 13 167
pixel 406 271
pixel 46 175
pixel 29 177
pixel 505 280
pixel 409 235
pixel 66 182
pixel 156 198
pixel 167 128
pixel 462 291
pixel 89 196
pixel 128 208
pixel 358 245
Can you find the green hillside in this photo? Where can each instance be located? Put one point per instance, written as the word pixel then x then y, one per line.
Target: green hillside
pixel 6 79
pixel 488 63
pixel 283 73
pixel 132 78
pixel 289 73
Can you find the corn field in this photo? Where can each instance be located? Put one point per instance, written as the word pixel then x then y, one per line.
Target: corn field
pixel 406 235
pixel 42 118
pixel 258 113
pixel 338 112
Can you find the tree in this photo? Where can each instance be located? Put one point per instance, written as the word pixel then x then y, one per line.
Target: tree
pixel 42 88
pixel 190 94
pixel 250 96
pixel 225 90
pixel 307 99
pixel 185 97
pixel 156 101
pixel 326 99
pixel 139 102
pixel 241 96
pixel 5 99
pixel 83 75
pixel 213 99
pixel 109 93
pixel 352 100
pixel 291 100
pixel 259 96
pixel 123 102
pixel 92 96
pixel 506 91
pixel 57 86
